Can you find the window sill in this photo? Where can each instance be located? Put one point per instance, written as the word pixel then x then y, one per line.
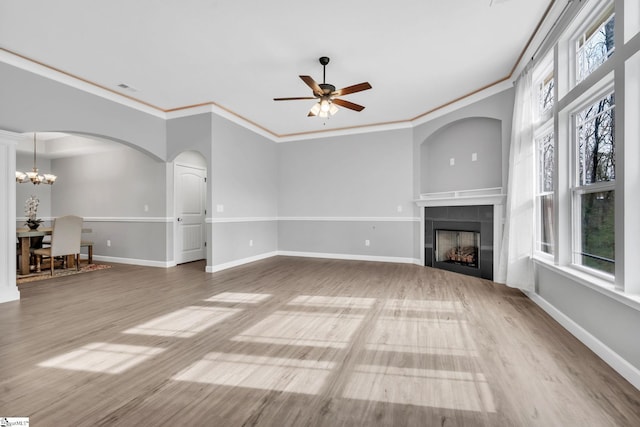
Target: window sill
pixel 599 285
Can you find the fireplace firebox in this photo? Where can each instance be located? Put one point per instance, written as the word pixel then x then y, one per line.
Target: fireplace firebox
pixel 457 247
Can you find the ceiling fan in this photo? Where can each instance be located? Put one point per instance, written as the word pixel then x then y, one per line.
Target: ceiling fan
pixel 327 95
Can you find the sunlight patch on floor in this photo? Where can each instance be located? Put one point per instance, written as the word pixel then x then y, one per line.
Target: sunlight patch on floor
pixel 303 329
pixel 423 305
pixel 333 302
pixel 259 372
pixel 239 297
pixel 184 323
pixel 421 336
pixel 103 357
pixel 464 391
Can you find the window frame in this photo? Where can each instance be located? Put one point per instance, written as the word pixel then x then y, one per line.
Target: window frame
pixel 543 124
pixel 596 14
pixel 577 189
pixel 540 133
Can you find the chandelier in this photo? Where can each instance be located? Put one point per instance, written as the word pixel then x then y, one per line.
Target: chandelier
pixel 33 176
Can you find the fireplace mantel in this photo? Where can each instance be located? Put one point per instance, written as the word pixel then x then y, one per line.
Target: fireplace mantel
pixel 482 196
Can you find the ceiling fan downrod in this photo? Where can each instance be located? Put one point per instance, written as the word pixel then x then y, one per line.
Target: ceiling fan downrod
pixel 324 60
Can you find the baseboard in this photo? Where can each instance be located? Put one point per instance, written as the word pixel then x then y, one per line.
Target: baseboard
pixel 12 294
pixel 238 262
pixel 133 261
pixel 375 258
pixel 613 359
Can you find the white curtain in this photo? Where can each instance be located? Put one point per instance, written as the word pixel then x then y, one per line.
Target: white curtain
pixel 516 264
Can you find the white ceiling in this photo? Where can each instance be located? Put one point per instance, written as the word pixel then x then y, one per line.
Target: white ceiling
pixel 55 145
pixel 417 54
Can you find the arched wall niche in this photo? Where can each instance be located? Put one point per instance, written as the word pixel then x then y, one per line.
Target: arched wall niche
pixel 465 154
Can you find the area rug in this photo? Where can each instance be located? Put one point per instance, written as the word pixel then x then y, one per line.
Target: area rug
pixel 44 275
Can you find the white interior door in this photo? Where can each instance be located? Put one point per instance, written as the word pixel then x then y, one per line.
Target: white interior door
pixel 190 196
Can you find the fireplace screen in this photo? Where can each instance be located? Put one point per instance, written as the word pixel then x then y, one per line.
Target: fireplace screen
pixel 457 247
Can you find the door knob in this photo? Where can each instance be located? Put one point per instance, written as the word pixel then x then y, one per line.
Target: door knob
pixel 179 219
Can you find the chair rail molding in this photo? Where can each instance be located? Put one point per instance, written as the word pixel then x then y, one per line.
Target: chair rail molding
pixel 8 287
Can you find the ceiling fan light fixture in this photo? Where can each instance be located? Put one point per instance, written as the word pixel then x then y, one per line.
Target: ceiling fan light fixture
pixel 325 106
pixel 327 95
pixel 315 110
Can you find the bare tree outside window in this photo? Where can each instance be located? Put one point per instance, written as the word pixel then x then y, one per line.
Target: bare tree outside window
pixel 545 94
pixel 546 161
pixel 596 160
pixel 595 46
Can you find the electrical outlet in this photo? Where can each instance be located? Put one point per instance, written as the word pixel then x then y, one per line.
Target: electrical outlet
pixel 452 161
pixel 367 242
pixel 146 208
pixel 251 242
pixel 219 208
pixel 399 208
pixel 108 243
pixel 474 157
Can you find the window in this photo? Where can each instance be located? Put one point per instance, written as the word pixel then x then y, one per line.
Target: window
pixel 544 84
pixel 593 191
pixel 545 93
pixel 544 194
pixel 595 45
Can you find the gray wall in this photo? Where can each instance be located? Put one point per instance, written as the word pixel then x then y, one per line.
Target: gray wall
pixel 113 184
pixel 189 133
pixel 332 189
pixel 608 320
pixel 110 190
pixel 498 107
pixel 34 103
pixel 364 175
pixel 244 180
pixel 459 141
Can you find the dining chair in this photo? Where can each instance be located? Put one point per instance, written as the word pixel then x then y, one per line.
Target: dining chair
pixel 65 241
pixel 89 245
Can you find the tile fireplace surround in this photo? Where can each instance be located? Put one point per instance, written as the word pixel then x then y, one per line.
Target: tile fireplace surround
pixel 483 207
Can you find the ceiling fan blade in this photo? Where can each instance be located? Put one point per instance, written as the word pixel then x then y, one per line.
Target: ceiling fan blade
pixel 294 98
pixel 311 114
pixel 352 89
pixel 312 84
pixel 347 104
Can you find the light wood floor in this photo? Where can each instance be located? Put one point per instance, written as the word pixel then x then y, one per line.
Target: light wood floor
pixel 291 341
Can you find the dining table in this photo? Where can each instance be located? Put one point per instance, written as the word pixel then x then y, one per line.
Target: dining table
pixel 25 235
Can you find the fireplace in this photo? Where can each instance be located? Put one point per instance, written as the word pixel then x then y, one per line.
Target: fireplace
pixel 460 239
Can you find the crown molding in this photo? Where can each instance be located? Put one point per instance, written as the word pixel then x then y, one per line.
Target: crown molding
pixel 52 73
pixel 76 82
